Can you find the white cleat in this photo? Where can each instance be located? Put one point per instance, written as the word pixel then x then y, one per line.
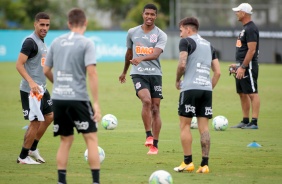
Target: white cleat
pixel 35 154
pixel 27 160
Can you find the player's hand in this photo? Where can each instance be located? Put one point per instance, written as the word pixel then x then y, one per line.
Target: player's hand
pixel 97 113
pixel 135 61
pixel 240 73
pixel 232 69
pixel 178 84
pixel 122 78
pixel 34 88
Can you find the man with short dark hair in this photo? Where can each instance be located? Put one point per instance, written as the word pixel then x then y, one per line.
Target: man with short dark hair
pixel 247 69
pixel 196 58
pixel 72 56
pixel 30 66
pixel 145 43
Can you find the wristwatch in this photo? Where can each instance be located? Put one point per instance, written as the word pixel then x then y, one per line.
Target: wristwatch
pixel 243 66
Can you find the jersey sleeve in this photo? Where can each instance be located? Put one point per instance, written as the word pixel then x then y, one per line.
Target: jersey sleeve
pixel 90 54
pixel 188 45
pixel 214 55
pixel 251 35
pixel 161 40
pixel 29 48
pixel 129 43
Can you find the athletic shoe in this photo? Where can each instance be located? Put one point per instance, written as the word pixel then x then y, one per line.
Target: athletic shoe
pixel 35 154
pixel 250 126
pixel 204 169
pixel 185 167
pixel 27 160
pixel 240 125
pixel 153 150
pixel 149 141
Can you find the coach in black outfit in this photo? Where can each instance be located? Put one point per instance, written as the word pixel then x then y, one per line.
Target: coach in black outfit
pixel 246 67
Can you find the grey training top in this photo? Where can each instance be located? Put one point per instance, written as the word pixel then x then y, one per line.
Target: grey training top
pixel 69 55
pixel 200 56
pixel 34 65
pixel 142 44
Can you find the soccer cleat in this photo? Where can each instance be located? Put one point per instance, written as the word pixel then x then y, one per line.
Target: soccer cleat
pixel 149 141
pixel 153 150
pixel 240 125
pixel 204 169
pixel 35 154
pixel 185 167
pixel 250 126
pixel 27 160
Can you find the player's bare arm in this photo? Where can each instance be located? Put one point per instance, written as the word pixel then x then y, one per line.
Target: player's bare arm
pixel 21 69
pixel 128 57
pixel 216 72
pixel 93 84
pixel 155 55
pixel 251 51
pixel 48 73
pixel 183 55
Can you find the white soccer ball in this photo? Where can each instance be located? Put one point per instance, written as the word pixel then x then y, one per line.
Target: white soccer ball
pixel 102 154
pixel 220 123
pixel 194 123
pixel 109 122
pixel 160 177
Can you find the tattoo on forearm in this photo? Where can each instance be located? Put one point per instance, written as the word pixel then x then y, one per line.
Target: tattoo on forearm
pixel 205 143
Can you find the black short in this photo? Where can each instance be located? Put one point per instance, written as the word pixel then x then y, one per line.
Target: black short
pixel 46 103
pixel 69 114
pixel 248 84
pixel 151 82
pixel 195 103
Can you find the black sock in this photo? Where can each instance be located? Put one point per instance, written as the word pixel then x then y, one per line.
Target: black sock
pixel 96 175
pixel 255 121
pixel 24 153
pixel 246 120
pixel 205 161
pixel 148 134
pixel 34 145
pixel 62 176
pixel 155 143
pixel 187 159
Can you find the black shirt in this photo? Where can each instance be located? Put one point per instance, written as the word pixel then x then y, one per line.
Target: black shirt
pixel 29 48
pixel 250 33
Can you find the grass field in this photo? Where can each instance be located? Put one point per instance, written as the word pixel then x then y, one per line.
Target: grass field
pixel 126 162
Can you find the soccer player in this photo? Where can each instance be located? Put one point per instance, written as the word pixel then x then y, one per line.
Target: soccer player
pixel 72 56
pixel 30 66
pixel 247 68
pixel 196 58
pixel 145 43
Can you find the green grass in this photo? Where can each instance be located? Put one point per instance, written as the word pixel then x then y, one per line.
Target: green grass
pixel 126 162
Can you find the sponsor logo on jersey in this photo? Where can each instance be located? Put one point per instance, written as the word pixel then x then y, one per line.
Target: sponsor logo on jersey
pixel 141 69
pixel 65 42
pixel 153 38
pixel 145 37
pixel 143 50
pixel 81 125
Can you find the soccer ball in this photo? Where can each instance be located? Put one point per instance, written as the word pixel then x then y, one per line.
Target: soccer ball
pixel 102 154
pixel 220 123
pixel 160 177
pixel 109 122
pixel 194 123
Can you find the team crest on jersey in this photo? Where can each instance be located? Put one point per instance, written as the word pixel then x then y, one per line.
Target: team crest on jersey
pixel 153 38
pixel 242 33
pixel 137 85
